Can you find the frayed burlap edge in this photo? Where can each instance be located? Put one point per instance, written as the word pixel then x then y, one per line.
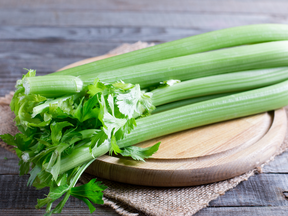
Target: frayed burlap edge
pixel 131 200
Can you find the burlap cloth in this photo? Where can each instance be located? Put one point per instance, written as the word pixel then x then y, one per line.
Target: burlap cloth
pixel 139 200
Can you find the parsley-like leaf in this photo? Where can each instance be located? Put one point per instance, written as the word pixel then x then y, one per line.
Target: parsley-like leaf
pixel 138 153
pixel 56 130
pixel 114 147
pixel 92 191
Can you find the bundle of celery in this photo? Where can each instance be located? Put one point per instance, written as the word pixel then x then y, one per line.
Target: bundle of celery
pixel 69 118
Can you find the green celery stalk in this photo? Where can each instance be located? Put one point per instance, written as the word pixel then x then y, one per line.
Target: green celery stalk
pixel 52 86
pixel 173 105
pixel 219 39
pixel 206 86
pixel 232 82
pixel 265 55
pixel 190 116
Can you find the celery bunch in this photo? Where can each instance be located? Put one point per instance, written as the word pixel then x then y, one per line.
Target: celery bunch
pixel 69 118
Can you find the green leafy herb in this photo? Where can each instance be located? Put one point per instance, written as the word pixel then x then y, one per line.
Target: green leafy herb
pixel 138 153
pixel 52 128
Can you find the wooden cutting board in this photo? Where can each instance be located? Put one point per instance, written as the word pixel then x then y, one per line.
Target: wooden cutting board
pixel 201 155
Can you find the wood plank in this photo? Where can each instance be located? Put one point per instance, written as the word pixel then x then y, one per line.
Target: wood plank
pixel 227 211
pixel 262 190
pixel 9 166
pixel 45 57
pixel 133 19
pixel 16 195
pixel 100 210
pixel 5 153
pixel 259 190
pixel 9 163
pixel 103 34
pixel 28 50
pixel 13 69
pixel 279 165
pixel 243 6
pixel 243 211
pixel 6 87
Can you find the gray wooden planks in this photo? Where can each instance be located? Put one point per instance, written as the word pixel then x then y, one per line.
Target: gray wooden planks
pixel 133 19
pixel 259 190
pixel 219 6
pixel 243 211
pixel 98 33
pixel 16 195
pixel 65 212
pixel 227 211
pixel 9 163
pixel 279 165
pixel 65 49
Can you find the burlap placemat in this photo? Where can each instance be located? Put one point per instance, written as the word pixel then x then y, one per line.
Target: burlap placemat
pixel 133 200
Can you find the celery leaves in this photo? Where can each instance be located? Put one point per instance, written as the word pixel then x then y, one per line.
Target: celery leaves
pixel 92 191
pixel 53 129
pixel 138 153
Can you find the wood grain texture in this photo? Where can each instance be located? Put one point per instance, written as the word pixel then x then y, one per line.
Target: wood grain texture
pixel 211 139
pixel 221 6
pixel 133 19
pixel 30 50
pixel 243 211
pixel 97 33
pixel 9 163
pixel 279 165
pixel 9 166
pixel 15 194
pixel 65 212
pixel 227 211
pixel 259 190
pixel 45 56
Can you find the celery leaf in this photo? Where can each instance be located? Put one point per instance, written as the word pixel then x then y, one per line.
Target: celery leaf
pixel 92 191
pixel 138 153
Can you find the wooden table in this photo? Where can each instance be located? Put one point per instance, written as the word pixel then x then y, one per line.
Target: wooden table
pixel 49 34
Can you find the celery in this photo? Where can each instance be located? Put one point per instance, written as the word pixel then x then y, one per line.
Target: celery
pixel 51 86
pixel 265 55
pixel 71 117
pixel 173 105
pixel 194 115
pixel 220 39
pixel 232 82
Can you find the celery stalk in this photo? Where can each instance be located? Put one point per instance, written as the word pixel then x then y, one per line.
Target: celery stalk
pixel 232 82
pixel 265 55
pixel 194 115
pixel 219 39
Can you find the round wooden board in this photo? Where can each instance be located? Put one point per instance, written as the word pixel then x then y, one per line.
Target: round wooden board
pixel 201 155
